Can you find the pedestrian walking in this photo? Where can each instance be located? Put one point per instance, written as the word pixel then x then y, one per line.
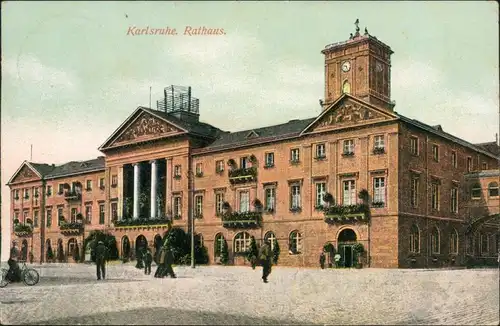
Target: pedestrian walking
pixel 101 255
pixel 322 260
pixel 161 263
pixel 265 256
pixel 148 260
pixel 169 260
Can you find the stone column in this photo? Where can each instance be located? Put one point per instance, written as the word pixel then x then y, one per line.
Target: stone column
pixel 154 187
pixel 137 179
pixel 120 211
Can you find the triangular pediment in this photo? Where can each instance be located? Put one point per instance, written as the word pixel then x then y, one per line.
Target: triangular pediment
pixel 252 134
pixel 142 126
pixel 25 173
pixel 348 112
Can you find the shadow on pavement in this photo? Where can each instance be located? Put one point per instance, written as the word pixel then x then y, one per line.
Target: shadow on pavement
pixel 56 280
pixel 164 316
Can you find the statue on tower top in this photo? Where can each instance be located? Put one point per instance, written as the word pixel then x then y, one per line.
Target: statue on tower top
pixel 357 23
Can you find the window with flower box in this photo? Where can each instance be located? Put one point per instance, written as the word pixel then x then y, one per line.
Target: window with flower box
pixel 379 191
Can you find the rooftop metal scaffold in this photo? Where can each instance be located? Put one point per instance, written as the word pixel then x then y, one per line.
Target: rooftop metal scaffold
pixel 178 98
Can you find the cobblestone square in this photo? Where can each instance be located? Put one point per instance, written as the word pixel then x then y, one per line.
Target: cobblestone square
pixel 70 294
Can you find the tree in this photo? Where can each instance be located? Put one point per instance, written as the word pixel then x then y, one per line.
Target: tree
pixel 108 239
pixel 276 252
pixel 253 252
pixel 224 253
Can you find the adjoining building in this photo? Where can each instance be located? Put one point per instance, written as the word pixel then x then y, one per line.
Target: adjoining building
pixel 359 172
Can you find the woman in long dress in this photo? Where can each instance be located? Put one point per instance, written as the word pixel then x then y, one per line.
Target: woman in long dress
pixel 161 264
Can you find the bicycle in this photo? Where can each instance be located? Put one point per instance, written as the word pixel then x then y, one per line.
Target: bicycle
pixel 29 276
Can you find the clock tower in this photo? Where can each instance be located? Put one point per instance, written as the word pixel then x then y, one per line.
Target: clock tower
pixel 361 67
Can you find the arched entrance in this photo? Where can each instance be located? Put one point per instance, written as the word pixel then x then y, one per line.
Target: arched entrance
pixel 24 250
pixel 346 240
pixel 72 249
pixel 158 243
pixel 125 248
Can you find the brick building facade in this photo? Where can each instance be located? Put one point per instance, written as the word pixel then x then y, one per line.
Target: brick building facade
pixel 270 182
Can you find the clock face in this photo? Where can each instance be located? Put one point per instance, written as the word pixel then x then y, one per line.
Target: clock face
pixel 346 66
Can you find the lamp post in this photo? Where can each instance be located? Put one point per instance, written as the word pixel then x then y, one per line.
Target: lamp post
pixel 81 221
pixel 191 213
pixel 30 222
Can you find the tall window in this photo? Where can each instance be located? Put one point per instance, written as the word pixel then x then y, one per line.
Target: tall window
pixel 414 239
pixel 114 180
pixel 469 164
pixel 101 183
pixel 470 244
pixel 244 201
pixel 435 195
pixel 454 159
pixel 435 152
pixel 219 202
pixel 348 147
pixel 493 189
pixel 177 171
pixel 35 218
pixel 476 191
pixel 295 202
pixel 270 193
pixel 199 169
pixel 295 155
pixel 379 190
pixel 49 217
pixel 269 158
pixel 114 211
pixel 199 206
pixel 484 166
pixel 101 214
pixel 177 209
pixel 219 166
pixel 320 151
pixel 88 213
pixel 484 244
pixel 271 237
pixel 243 162
pixel 242 242
pixel 60 189
pixel 25 216
pixel 73 215
pixel 414 146
pixel 26 193
pixel 378 142
pixel 16 194
pixel 320 193
pixel 295 243
pixel 454 242
pixel 435 241
pixel 219 244
pixel 454 200
pixel 349 193
pixel 59 215
pixel 88 186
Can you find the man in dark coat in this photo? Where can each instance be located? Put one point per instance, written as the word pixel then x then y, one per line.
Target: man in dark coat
pixel 14 270
pixel 101 254
pixel 265 256
pixel 169 260
pixel 148 260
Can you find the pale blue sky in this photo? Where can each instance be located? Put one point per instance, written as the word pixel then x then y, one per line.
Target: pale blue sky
pixel 71 75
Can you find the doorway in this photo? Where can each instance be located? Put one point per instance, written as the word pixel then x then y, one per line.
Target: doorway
pixel 346 240
pixel 348 256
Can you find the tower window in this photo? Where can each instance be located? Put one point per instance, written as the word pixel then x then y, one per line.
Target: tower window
pixel 346 87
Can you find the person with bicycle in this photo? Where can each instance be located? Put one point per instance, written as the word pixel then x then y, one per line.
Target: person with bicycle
pixel 14 270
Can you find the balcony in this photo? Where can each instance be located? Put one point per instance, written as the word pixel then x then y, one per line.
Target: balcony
pixel 23 230
pixel 128 223
pixel 243 175
pixel 236 220
pixel 349 213
pixel 72 195
pixel 72 228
